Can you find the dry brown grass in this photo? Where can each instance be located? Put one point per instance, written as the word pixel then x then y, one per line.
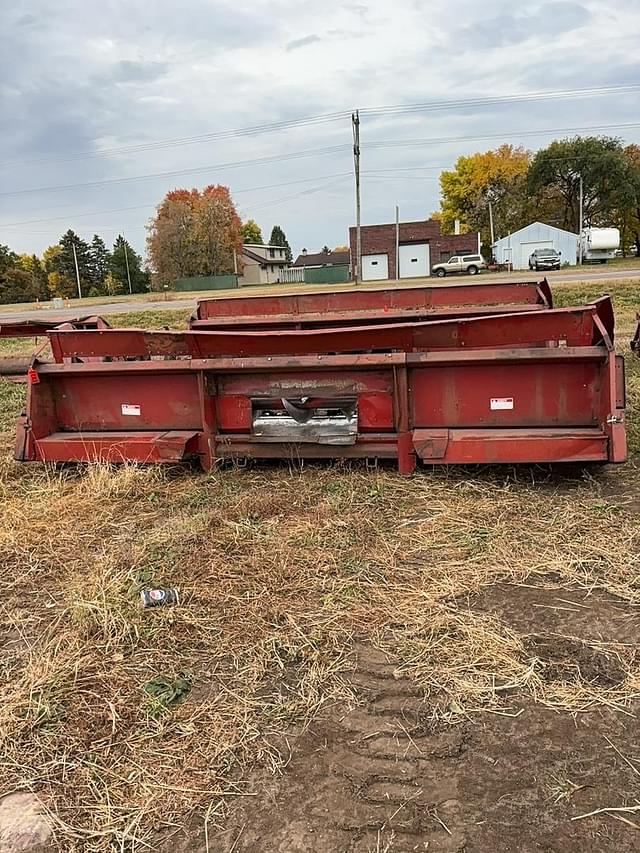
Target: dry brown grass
pixel 279 569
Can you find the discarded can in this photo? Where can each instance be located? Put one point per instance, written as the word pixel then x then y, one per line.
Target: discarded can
pixel 159 597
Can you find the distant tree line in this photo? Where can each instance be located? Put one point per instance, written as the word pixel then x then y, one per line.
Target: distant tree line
pixel 102 271
pixel 522 187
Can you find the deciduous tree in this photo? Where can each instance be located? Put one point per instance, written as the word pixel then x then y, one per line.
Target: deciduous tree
pixel 600 161
pixel 194 233
pixel 34 268
pixel 251 232
pixel 22 277
pixel 498 177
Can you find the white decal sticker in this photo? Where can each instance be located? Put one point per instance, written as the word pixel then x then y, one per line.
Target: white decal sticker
pixel 498 403
pixel 127 409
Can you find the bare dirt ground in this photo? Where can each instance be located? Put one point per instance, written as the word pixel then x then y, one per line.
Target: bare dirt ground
pixel 360 662
pixel 385 774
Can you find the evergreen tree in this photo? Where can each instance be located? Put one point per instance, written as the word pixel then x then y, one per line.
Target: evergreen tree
pixel 99 259
pixel 279 238
pixel 122 255
pixel 65 263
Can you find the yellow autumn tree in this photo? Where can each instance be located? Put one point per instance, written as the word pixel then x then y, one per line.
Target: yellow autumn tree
pixel 499 177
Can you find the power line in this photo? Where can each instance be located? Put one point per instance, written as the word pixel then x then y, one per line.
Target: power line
pixel 259 161
pixel 305 121
pixel 155 202
pixel 400 143
pixel 501 99
pixel 384 143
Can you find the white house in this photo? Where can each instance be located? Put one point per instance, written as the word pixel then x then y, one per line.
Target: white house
pixel 516 248
pixel 262 264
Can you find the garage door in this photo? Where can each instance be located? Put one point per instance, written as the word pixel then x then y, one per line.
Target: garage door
pixel 527 248
pixel 375 267
pixel 414 261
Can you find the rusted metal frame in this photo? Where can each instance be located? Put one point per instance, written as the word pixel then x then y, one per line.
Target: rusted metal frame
pixel 327 362
pixel 402 420
pixel 613 402
pixel 566 325
pixel 360 318
pixel 368 446
pixel 208 414
pixel 408 298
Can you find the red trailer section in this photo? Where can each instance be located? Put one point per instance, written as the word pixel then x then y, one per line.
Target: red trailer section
pixel 370 307
pixel 531 387
pixel 15 368
pixel 36 328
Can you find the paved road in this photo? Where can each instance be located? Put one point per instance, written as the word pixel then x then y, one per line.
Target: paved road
pixel 590 274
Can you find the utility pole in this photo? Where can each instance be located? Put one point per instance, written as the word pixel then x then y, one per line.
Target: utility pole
pixel 75 261
pixel 126 260
pixel 397 243
pixel 581 215
pixel 355 126
pixel 493 238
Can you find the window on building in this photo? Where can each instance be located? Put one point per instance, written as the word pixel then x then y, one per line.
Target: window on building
pixel 272 254
pixel 272 268
pixel 444 256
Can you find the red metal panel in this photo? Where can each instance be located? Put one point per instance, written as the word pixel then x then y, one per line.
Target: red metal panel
pixel 506 395
pixel 408 300
pixel 234 412
pixel 153 402
pixel 143 447
pixel 511 446
pixel 351 318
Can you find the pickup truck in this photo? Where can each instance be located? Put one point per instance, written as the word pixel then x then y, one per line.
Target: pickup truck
pixel 544 259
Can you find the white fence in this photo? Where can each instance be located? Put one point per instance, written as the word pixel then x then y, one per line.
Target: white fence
pixel 292 274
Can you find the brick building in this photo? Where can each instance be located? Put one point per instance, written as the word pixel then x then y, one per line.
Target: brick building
pixel 421 246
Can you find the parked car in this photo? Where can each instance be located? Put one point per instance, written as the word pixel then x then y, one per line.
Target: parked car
pixel 471 264
pixel 544 259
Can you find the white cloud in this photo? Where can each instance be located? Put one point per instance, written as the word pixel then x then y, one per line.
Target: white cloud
pixel 90 77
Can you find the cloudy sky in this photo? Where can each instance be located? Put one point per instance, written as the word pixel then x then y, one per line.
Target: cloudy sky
pixel 107 105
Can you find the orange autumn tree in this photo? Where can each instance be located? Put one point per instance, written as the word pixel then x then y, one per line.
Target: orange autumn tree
pixel 194 233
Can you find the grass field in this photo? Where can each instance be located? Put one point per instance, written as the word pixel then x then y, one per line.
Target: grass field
pixel 154 729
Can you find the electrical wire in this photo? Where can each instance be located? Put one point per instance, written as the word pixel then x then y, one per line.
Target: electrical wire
pixel 323 118
pixel 155 202
pixel 258 161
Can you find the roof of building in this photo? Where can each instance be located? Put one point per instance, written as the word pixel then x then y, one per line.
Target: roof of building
pixel 514 234
pixel 262 246
pixel 261 258
pixel 320 259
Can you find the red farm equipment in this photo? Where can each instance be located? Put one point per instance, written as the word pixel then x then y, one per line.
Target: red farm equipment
pixel 14 368
pixel 369 307
pixel 529 386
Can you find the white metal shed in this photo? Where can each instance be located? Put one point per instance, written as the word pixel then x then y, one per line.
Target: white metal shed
pixel 516 248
